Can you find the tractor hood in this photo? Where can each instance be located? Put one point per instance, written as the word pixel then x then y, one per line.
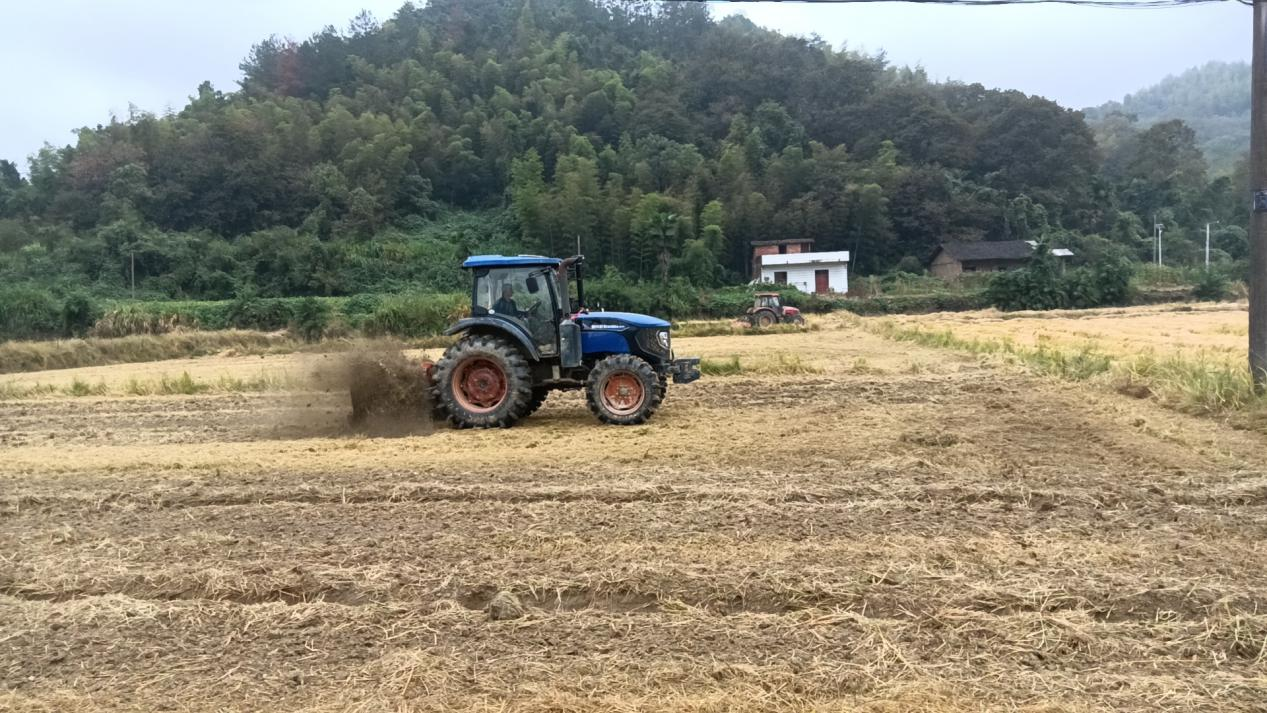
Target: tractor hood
pixel 626 318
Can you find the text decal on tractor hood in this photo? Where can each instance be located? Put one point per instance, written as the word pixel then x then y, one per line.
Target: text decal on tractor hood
pixel 633 320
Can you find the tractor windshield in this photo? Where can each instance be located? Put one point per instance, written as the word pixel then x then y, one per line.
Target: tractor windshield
pixel 527 296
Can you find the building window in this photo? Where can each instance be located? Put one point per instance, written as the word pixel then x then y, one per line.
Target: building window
pixel 780 278
pixel 783 250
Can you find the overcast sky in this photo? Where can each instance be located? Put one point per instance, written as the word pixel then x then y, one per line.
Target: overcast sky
pixel 72 63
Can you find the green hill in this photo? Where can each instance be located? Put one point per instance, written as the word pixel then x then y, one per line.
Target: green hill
pixel 1213 99
pixel 374 158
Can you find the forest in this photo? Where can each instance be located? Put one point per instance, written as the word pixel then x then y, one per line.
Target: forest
pixel 1213 99
pixel 372 159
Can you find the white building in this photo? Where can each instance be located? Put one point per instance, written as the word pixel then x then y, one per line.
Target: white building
pixel 808 272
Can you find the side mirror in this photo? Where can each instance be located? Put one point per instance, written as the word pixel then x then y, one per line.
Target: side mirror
pixel 533 287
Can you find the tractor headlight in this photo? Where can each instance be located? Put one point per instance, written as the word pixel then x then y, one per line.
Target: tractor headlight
pixel 663 337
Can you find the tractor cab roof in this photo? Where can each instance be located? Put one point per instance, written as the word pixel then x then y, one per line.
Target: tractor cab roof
pixel 510 261
pixel 767 294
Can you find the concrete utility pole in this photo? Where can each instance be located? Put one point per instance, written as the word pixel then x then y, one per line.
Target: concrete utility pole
pixel 1160 229
pixel 1258 219
pixel 1207 242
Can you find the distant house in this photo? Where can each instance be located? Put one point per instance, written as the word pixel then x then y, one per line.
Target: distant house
pixel 761 248
pixel 808 272
pixel 951 260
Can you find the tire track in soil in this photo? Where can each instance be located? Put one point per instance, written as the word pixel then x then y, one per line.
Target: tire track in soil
pixel 973 529
pixel 387 644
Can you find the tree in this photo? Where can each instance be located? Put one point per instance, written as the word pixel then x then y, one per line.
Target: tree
pixel 654 230
pixel 11 185
pixel 527 195
pixel 374 157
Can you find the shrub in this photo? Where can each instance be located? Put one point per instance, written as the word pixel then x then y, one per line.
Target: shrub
pixel 911 265
pixel 358 307
pixel 249 311
pixel 1152 276
pixel 415 315
pixel 1035 287
pixel 1042 285
pixel 28 313
pixel 918 304
pixel 1114 280
pixel 310 320
pixel 1082 289
pixel 1212 287
pixel 79 313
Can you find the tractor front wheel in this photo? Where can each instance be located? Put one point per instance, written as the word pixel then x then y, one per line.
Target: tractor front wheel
pixel 484 382
pixel 623 390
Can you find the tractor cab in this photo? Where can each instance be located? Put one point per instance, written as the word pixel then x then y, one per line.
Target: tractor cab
pixel 768 300
pixel 528 335
pixel 526 294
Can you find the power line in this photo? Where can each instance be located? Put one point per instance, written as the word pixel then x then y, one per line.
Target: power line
pixel 1111 4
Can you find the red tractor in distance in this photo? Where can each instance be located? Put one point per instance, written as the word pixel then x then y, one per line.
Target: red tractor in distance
pixel 767 310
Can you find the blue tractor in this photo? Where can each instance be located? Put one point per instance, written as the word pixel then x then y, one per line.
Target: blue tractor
pixel 529 334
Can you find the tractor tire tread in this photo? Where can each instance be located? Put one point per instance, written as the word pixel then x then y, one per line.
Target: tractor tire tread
pixel 518 377
pixel 652 382
pixel 538 398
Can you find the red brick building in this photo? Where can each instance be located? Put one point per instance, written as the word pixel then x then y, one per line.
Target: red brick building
pixel 776 247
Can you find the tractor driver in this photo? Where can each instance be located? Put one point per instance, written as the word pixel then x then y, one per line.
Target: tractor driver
pixel 531 317
pixel 506 305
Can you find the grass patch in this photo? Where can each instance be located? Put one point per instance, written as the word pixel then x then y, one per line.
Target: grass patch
pixel 1077 365
pixel 863 367
pixel 20 357
pixel 1200 384
pixel 186 385
pixel 182 385
pixel 722 328
pixel 1234 330
pixel 781 365
pixel 10 391
pixel 786 364
pixel 257 384
pixel 721 367
pixel 16 357
pixel 79 387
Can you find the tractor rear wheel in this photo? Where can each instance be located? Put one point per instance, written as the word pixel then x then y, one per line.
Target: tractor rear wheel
pixel 623 390
pixel 484 382
pixel 765 319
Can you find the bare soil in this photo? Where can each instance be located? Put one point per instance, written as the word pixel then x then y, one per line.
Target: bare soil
pixel 910 529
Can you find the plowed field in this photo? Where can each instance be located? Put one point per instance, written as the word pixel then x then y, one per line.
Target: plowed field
pixel 898 529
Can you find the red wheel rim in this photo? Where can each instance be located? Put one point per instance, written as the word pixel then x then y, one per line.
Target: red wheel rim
pixel 623 393
pixel 479 385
